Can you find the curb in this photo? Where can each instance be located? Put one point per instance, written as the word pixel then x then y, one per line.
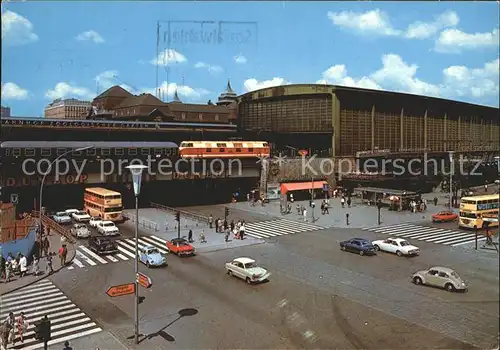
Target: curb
pixel 72 254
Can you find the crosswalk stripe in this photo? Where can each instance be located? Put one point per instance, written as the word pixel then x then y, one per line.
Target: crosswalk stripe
pixel 68 321
pixel 162 241
pixel 92 254
pixel 449 237
pixel 121 256
pixel 111 258
pixel 78 263
pixel 83 257
pixel 152 241
pixel 154 245
pixel 277 227
pixel 125 251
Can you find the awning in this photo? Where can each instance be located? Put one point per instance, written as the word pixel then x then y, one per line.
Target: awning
pixel 301 186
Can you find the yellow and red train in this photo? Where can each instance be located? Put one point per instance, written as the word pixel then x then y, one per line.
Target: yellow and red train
pixel 224 149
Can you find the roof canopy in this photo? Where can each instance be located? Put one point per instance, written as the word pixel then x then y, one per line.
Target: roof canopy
pixel 301 186
pixel 385 190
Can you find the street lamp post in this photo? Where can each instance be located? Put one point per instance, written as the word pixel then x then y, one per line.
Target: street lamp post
pixel 450 153
pixel 43 181
pixel 136 171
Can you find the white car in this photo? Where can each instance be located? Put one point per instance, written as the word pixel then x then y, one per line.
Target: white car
pixel 94 221
pixel 107 228
pixel 62 218
pixel 71 211
pixel 247 269
pixel 80 231
pixel 80 216
pixel 397 246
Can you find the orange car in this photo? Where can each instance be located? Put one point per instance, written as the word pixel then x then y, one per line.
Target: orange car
pixel 444 216
pixel 180 247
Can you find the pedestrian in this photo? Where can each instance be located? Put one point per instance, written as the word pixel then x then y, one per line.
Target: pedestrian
pixel 202 237
pixel 36 266
pixel 190 236
pixel 435 201
pixel 2 267
pixel 22 326
pixel 304 213
pixel 45 246
pixel 8 271
pixel 63 251
pixel 225 225
pixel 49 264
pixel 342 202
pixel 210 221
pixel 5 333
pixel 232 225
pixel 242 231
pixel 349 202
pixel 23 265
pixel 226 235
pixel 66 346
pixel 9 324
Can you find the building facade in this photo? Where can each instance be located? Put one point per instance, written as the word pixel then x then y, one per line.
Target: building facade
pixel 342 121
pixel 67 109
pixel 5 112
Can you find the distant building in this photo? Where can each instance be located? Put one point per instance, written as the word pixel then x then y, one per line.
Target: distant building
pixel 5 112
pixel 70 108
pixel 228 96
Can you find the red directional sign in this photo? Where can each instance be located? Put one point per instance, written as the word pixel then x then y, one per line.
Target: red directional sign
pixel 122 289
pixel 144 280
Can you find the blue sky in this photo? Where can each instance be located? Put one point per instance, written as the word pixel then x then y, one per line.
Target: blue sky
pixel 61 49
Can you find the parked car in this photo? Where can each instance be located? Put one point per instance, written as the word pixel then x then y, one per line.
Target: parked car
pixel 441 277
pixel 103 245
pixel 62 218
pixel 80 231
pixel 107 228
pixel 94 221
pixel 80 216
pixel 71 211
pixel 358 245
pixel 397 246
pixel 151 256
pixel 444 216
pixel 247 269
pixel 180 247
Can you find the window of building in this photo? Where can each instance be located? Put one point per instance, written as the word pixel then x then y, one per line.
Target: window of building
pixel 145 151
pixel 60 151
pixel 183 115
pixel 91 152
pixel 46 152
pixel 16 152
pixel 133 111
pixel 119 151
pixel 29 152
pixel 132 151
pixel 105 151
pixel 217 117
pixel 200 116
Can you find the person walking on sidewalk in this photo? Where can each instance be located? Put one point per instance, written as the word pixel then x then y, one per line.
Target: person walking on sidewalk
pixel 63 252
pixel 190 236
pixel 45 246
pixel 49 264
pixel 36 266
pixel 23 266
pixel 210 221
pixel 2 267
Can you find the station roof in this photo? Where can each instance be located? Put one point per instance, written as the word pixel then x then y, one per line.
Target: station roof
pixel 82 144
pixel 301 186
pixel 385 190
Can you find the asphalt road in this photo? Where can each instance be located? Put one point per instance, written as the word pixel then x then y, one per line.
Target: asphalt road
pixel 317 297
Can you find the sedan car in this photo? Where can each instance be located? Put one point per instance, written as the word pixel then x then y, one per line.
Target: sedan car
pixel 358 245
pixel 151 256
pixel 80 216
pixel 247 269
pixel 62 218
pixel 441 277
pixel 71 211
pixel 180 247
pixel 80 231
pixel 94 221
pixel 103 245
pixel 397 246
pixel 107 228
pixel 444 216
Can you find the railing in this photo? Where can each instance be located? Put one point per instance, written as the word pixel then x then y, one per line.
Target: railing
pixel 54 226
pixel 146 224
pixel 186 214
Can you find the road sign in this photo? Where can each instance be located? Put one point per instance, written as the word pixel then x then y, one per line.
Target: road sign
pixel 14 198
pixel 144 280
pixel 122 289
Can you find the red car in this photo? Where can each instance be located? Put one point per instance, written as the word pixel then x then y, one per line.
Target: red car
pixel 180 247
pixel 444 216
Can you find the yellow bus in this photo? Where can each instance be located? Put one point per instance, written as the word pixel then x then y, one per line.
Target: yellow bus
pixel 473 209
pixel 104 203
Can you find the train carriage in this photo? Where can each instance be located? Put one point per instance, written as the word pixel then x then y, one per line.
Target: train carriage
pixel 224 149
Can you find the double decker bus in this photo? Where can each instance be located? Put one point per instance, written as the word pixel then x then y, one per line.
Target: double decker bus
pixel 104 203
pixel 474 209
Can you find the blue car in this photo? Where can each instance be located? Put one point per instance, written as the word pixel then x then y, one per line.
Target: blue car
pixel 360 246
pixel 151 256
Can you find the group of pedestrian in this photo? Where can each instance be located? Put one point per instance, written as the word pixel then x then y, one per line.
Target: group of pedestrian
pixel 10 327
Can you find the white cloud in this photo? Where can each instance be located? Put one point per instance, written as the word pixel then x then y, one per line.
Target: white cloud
pixel 240 59
pixel 423 30
pixel 167 57
pixel 16 29
pixel 66 90
pixel 370 22
pixel 337 75
pixel 110 78
pixel 210 68
pixel 90 35
pixel 11 91
pixel 254 84
pixel 478 82
pixel 184 91
pixel 454 40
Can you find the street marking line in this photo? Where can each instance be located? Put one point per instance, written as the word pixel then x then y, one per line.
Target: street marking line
pixel 78 263
pixel 153 242
pixel 449 236
pixel 43 290
pixel 60 306
pixel 92 254
pixel 155 246
pixel 121 256
pixel 42 302
pixel 161 240
pixel 451 240
pixel 125 251
pixel 28 299
pixel 88 260
pixel 471 241
pixel 70 267
pixel 111 258
pixel 63 339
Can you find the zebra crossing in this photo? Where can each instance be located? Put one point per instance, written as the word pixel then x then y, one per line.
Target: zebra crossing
pixel 452 238
pixel 277 227
pixel 44 298
pixel 86 258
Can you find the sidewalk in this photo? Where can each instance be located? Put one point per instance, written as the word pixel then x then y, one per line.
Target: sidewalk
pixel 17 282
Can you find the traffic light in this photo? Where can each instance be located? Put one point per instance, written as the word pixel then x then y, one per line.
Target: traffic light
pixel 178 216
pixel 42 329
pixel 226 212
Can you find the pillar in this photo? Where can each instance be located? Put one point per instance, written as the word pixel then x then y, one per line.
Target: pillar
pixel 336 149
pixel 401 129
pixel 459 144
pixel 373 127
pixel 445 133
pixel 425 130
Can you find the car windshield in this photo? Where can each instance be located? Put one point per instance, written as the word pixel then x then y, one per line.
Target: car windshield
pixel 404 243
pixel 80 226
pixel 108 224
pixel 454 274
pixel 97 219
pixel 179 243
pixel 250 265
pixel 81 213
pixel 61 213
pixel 152 251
